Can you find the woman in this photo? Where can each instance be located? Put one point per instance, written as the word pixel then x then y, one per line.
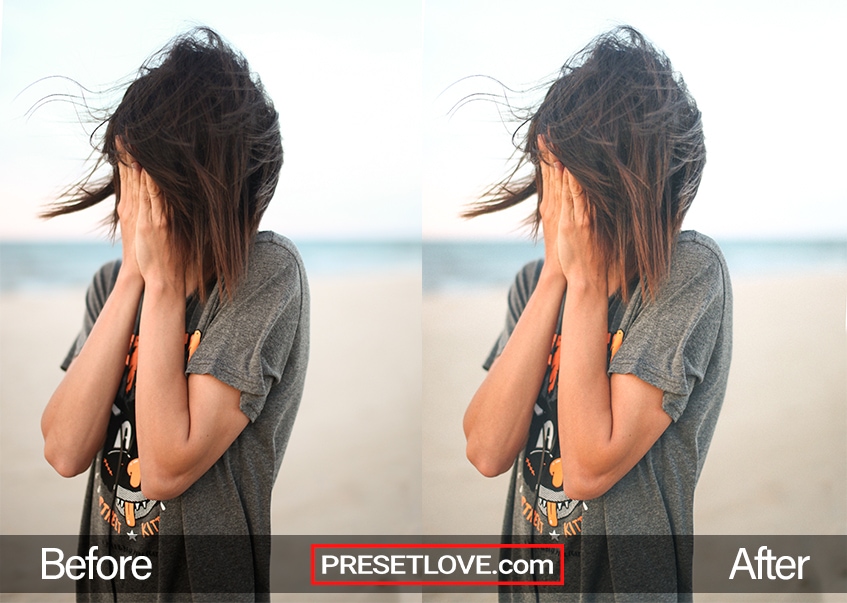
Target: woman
pixel 182 387
pixel 603 391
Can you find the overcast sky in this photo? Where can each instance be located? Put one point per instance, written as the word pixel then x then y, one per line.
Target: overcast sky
pixel 364 90
pixel 345 78
pixel 767 76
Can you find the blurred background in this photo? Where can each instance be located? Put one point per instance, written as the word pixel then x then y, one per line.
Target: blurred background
pixel 765 77
pixel 345 79
pixel 408 297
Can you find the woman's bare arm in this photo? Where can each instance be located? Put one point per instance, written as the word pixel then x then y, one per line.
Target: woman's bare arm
pixel 184 425
pixel 497 420
pixel 74 422
pixel 605 425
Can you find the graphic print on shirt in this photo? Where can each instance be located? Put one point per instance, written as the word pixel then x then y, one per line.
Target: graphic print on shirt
pixel 542 463
pixel 122 504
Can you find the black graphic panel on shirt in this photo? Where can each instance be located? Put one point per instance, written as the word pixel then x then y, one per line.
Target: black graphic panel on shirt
pixel 122 503
pixel 542 470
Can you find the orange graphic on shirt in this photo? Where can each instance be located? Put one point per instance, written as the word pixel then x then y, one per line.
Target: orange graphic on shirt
pixel 132 355
pixel 193 343
pixel 617 340
pixel 553 362
pixel 555 470
pixel 131 362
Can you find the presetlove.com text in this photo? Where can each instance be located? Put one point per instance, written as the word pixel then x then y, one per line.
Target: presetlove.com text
pixel 436 564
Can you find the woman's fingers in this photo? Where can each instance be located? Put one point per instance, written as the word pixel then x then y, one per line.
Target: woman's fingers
pixel 152 218
pixel 542 164
pixel 154 197
pixel 551 176
pixel 123 193
pixel 124 180
pixel 124 161
pixel 144 209
pixel 128 175
pixel 133 201
pixel 578 200
pixel 154 252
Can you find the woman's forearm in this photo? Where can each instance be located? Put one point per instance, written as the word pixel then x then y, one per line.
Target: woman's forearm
pixel 497 420
pixel 606 425
pixel 162 411
pixel 184 425
pixel 584 398
pixel 74 422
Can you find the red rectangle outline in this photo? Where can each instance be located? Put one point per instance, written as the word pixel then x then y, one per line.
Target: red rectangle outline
pixel 560 582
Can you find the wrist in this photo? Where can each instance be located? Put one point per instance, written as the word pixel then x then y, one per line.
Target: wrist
pixel 552 275
pixel 129 277
pixel 588 286
pixel 162 286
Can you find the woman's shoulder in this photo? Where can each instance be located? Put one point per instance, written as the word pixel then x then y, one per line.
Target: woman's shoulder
pixel 274 253
pixel 694 246
pixel 694 243
pixel 274 265
pixel 275 282
pixel 698 267
pixel 272 244
pixel 696 253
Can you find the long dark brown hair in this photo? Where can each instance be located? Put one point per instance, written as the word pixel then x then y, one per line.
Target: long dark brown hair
pixel 203 127
pixel 624 124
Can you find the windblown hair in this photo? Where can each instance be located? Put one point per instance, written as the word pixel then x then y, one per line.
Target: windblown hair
pixel 207 133
pixel 624 124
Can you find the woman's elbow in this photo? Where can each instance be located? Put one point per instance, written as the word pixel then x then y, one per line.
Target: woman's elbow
pixel 67 459
pixel 487 457
pixel 489 469
pixel 487 464
pixel 159 485
pixel 579 484
pixel 161 490
pixel 65 465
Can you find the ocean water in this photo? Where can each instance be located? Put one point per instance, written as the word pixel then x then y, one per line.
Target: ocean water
pixel 41 266
pixel 444 265
pixel 461 266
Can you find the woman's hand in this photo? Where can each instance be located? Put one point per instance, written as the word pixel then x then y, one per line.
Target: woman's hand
pixel 565 211
pixel 578 254
pixel 128 170
pixel 156 256
pixel 147 251
pixel 550 210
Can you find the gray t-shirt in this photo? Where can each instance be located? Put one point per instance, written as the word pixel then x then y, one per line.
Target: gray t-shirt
pixel 680 343
pixel 258 343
